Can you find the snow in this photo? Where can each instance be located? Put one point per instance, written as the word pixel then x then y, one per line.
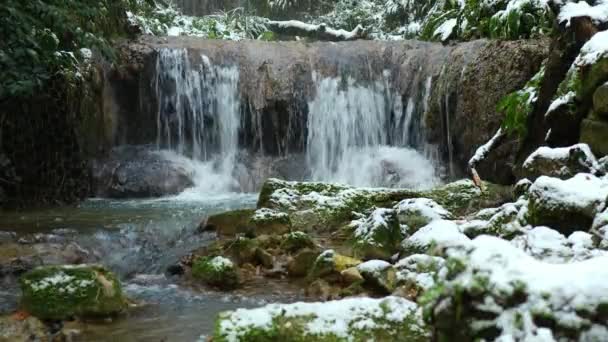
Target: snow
pixel 444 31
pixel 418 269
pixel 424 207
pixel 266 214
pixel 334 317
pixel 562 100
pixel 598 14
pixel 593 50
pixel 545 244
pixel 373 266
pixel 562 290
pixel 441 232
pixel 563 154
pixel 220 263
pixel 482 151
pixel 584 191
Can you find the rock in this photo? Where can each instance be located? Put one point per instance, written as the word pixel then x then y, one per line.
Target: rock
pixel 270 221
pixel 379 275
pixel 330 264
pixel 302 262
pixel 230 223
pixel 354 319
pixel 264 258
pixel 438 233
pixel 418 212
pixel 243 249
pixel 216 271
pixel 463 197
pixel 320 289
pixel 600 101
pixel 504 221
pixel 521 188
pixel 563 162
pixel 29 329
pixel 295 241
pixel 518 286
pixel 17 258
pixel 351 276
pixel 416 273
pixel 566 205
pixel 379 235
pixel 64 292
pixel 137 172
pixel 593 133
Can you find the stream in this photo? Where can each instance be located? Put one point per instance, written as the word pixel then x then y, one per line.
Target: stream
pixel 139 239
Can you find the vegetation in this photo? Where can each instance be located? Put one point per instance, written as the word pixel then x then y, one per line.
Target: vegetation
pixel 517 106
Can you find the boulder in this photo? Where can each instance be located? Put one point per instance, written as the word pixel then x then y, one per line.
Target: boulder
pixel 563 162
pixel 439 233
pixel 418 212
pixel 301 263
pixel 417 272
pixel 139 172
pixel 229 223
pixel 17 330
pixel 295 241
pixel 64 292
pixel 566 205
pixel 379 275
pixel 216 271
pixel 379 235
pixel 351 276
pixel 330 264
pixel 600 101
pixel 270 221
pixel 491 290
pixel 353 319
pixel 594 133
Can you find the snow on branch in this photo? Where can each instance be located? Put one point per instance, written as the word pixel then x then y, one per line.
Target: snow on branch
pixel 485 149
pixel 320 32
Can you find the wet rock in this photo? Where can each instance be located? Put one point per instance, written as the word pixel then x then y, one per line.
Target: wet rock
pixel 562 162
pixel 379 275
pixel 13 329
pixel 566 205
pixel 379 235
pixel 138 172
pixel 63 292
pixel 229 223
pixel 353 319
pixel 216 271
pixel 302 262
pixel 17 258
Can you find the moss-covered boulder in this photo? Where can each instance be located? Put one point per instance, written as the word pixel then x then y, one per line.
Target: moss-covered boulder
pixel 242 249
pixel 295 241
pixel 63 292
pixel 439 233
pixel 600 101
pixel 230 223
pixel 563 162
pixel 594 133
pixel 418 212
pixel 330 264
pixel 464 197
pixel 491 290
pixel 504 221
pixel 379 275
pixel 270 221
pixel 566 205
pixel 378 236
pixel 354 319
pixel 216 271
pixel 416 273
pixel 301 263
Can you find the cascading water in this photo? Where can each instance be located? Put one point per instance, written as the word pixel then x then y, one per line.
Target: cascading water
pixel 198 115
pixel 349 136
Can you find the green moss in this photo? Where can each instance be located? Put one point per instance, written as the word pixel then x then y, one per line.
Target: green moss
pixel 216 271
pixel 295 241
pixel 63 292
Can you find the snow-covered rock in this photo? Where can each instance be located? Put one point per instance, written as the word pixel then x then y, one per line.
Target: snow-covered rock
pixel 379 275
pixel 353 319
pixel 492 290
pixel 563 162
pixel 566 205
pixel 418 212
pixel 379 235
pixel 417 271
pixel 439 233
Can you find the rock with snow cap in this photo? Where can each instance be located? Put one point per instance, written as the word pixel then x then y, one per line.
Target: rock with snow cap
pixel 379 275
pixel 216 271
pixel 563 162
pixel 379 235
pixel 418 212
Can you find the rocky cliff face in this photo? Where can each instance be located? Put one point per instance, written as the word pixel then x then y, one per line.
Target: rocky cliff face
pixel 429 94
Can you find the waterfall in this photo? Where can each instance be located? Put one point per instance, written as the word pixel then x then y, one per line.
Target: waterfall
pixel 349 130
pixel 198 114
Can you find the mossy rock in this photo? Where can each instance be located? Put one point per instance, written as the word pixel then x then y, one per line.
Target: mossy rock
pixel 595 134
pixel 354 319
pixel 463 197
pixel 330 264
pixel 379 275
pixel 302 262
pixel 270 221
pixel 600 101
pixel 416 213
pixel 243 249
pixel 378 236
pixel 64 292
pixel 231 223
pixel 295 241
pixel 216 271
